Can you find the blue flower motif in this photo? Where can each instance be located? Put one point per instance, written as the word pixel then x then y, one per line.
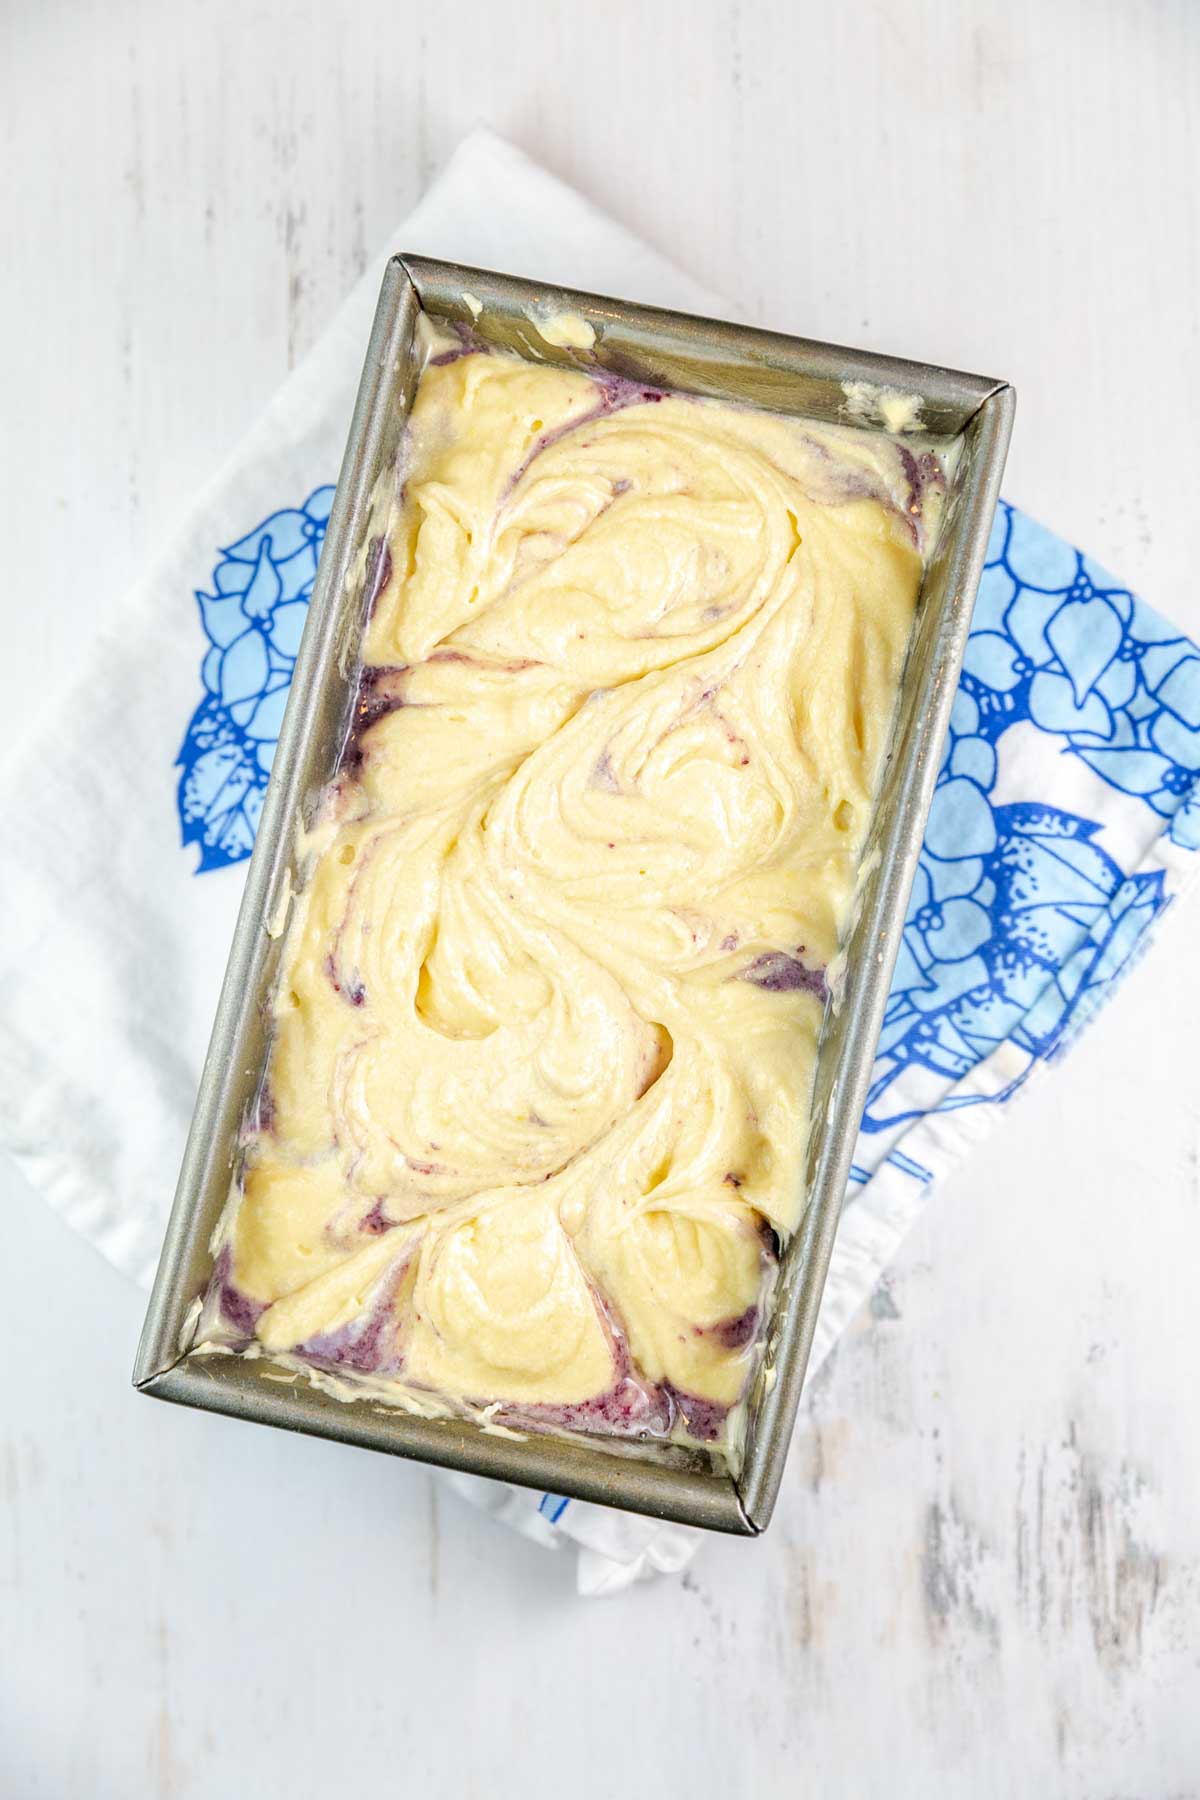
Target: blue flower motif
pixel 1185 824
pixel 1019 918
pixel 1014 940
pixel 1058 644
pixel 253 619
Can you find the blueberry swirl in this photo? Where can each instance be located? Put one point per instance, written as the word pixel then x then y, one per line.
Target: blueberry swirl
pixel 545 1036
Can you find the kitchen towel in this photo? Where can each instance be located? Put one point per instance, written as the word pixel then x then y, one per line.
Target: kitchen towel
pixel 1066 819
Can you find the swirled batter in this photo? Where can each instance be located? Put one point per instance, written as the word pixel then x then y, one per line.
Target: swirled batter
pixel 537 1102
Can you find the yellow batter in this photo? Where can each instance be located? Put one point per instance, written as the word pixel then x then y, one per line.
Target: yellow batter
pixel 545 1035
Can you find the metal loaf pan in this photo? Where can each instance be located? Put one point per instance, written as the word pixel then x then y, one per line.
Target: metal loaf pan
pixel 691 355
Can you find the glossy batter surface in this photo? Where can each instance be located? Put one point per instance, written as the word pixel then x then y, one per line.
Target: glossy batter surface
pixel 537 1103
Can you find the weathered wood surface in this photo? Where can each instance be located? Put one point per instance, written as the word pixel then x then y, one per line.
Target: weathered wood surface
pixel 984 1579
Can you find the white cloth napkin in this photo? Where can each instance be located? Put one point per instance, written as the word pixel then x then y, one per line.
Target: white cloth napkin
pixel 1062 826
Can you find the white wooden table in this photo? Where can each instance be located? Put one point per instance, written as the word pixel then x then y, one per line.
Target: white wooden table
pixel 984 1577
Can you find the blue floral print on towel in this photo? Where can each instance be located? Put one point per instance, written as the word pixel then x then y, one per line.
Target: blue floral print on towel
pixel 253 619
pixel 1020 917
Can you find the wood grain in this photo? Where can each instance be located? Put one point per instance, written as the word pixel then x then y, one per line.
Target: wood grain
pixel 984 1578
